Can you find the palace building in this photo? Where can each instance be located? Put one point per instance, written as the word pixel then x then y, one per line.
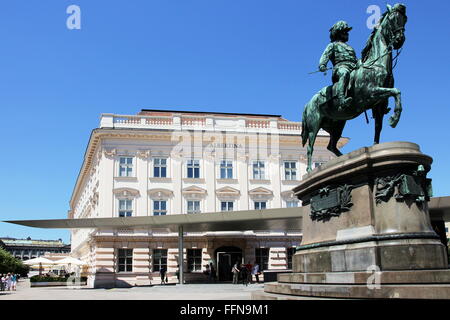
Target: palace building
pixel 28 248
pixel 180 162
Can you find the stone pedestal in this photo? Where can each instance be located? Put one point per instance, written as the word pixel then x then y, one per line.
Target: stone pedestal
pixel 367 231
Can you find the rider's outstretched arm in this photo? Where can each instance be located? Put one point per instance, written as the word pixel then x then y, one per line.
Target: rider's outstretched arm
pixel 326 55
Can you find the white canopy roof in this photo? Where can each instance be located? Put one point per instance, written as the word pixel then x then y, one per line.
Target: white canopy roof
pixel 268 219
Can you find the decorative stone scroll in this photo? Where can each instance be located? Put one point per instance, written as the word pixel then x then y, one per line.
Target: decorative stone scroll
pixel 143 154
pixel 413 186
pixel 331 202
pixel 110 152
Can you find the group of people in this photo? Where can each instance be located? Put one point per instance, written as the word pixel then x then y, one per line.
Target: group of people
pixel 8 282
pixel 245 273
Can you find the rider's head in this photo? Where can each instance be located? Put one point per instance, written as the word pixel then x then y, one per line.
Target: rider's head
pixel 339 31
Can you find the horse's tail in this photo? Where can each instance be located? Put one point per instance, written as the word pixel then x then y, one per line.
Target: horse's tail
pixel 304 127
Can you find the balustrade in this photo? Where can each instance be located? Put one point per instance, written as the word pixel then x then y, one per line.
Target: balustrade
pixel 139 121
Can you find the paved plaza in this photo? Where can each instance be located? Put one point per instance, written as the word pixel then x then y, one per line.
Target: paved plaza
pixel 216 291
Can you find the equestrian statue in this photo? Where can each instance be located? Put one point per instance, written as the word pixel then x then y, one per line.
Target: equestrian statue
pixel 358 85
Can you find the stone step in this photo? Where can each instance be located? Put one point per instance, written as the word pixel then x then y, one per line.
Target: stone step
pixel 261 295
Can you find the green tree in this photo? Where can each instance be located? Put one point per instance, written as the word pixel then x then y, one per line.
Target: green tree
pixel 10 264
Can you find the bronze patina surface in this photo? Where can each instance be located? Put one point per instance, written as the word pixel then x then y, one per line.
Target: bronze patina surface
pixel 358 85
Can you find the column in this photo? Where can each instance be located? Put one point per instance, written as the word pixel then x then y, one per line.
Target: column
pixel 181 253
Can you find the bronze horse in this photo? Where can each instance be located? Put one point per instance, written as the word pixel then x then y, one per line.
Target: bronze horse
pixel 371 85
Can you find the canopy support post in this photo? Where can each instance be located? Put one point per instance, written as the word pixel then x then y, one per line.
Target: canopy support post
pixel 180 254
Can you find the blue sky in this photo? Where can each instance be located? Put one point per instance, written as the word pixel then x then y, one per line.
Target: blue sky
pixel 248 56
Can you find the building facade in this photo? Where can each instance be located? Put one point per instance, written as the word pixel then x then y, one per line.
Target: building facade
pixel 174 162
pixel 25 249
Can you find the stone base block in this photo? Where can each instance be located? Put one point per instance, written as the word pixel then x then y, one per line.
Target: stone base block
pixel 393 254
pixel 409 284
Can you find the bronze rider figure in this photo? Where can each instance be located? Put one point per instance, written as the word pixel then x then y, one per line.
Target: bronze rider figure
pixel 344 61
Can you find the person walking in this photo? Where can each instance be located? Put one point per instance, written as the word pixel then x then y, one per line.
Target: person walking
pixel 162 273
pixel 2 282
pixel 235 270
pixel 8 282
pixel 249 267
pixel 13 281
pixel 207 272
pixel 178 273
pixel 255 271
pixel 212 272
pixel 244 275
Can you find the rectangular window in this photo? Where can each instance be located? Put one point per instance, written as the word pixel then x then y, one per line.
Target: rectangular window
pixel 258 170
pixel 226 169
pixel 291 204
pixel 125 208
pixel 125 167
pixel 260 205
pixel 290 170
pixel 193 168
pixel 318 164
pixel 160 168
pixel 159 259
pixel 290 253
pixel 194 259
pixel 125 260
pixel 193 206
pixel 226 206
pixel 159 208
pixel 262 258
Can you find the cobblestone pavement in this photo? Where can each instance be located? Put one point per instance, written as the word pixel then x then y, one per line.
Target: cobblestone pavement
pixel 221 291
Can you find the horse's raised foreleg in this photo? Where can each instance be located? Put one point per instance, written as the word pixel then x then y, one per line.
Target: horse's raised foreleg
pixel 393 119
pixel 385 93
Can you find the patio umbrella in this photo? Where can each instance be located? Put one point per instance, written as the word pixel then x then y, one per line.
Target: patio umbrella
pixel 69 261
pixel 39 261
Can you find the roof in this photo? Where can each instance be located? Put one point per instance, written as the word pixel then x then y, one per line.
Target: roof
pixel 439 208
pixel 30 242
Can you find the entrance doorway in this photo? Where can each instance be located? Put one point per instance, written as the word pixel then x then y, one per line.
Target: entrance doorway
pixel 226 258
